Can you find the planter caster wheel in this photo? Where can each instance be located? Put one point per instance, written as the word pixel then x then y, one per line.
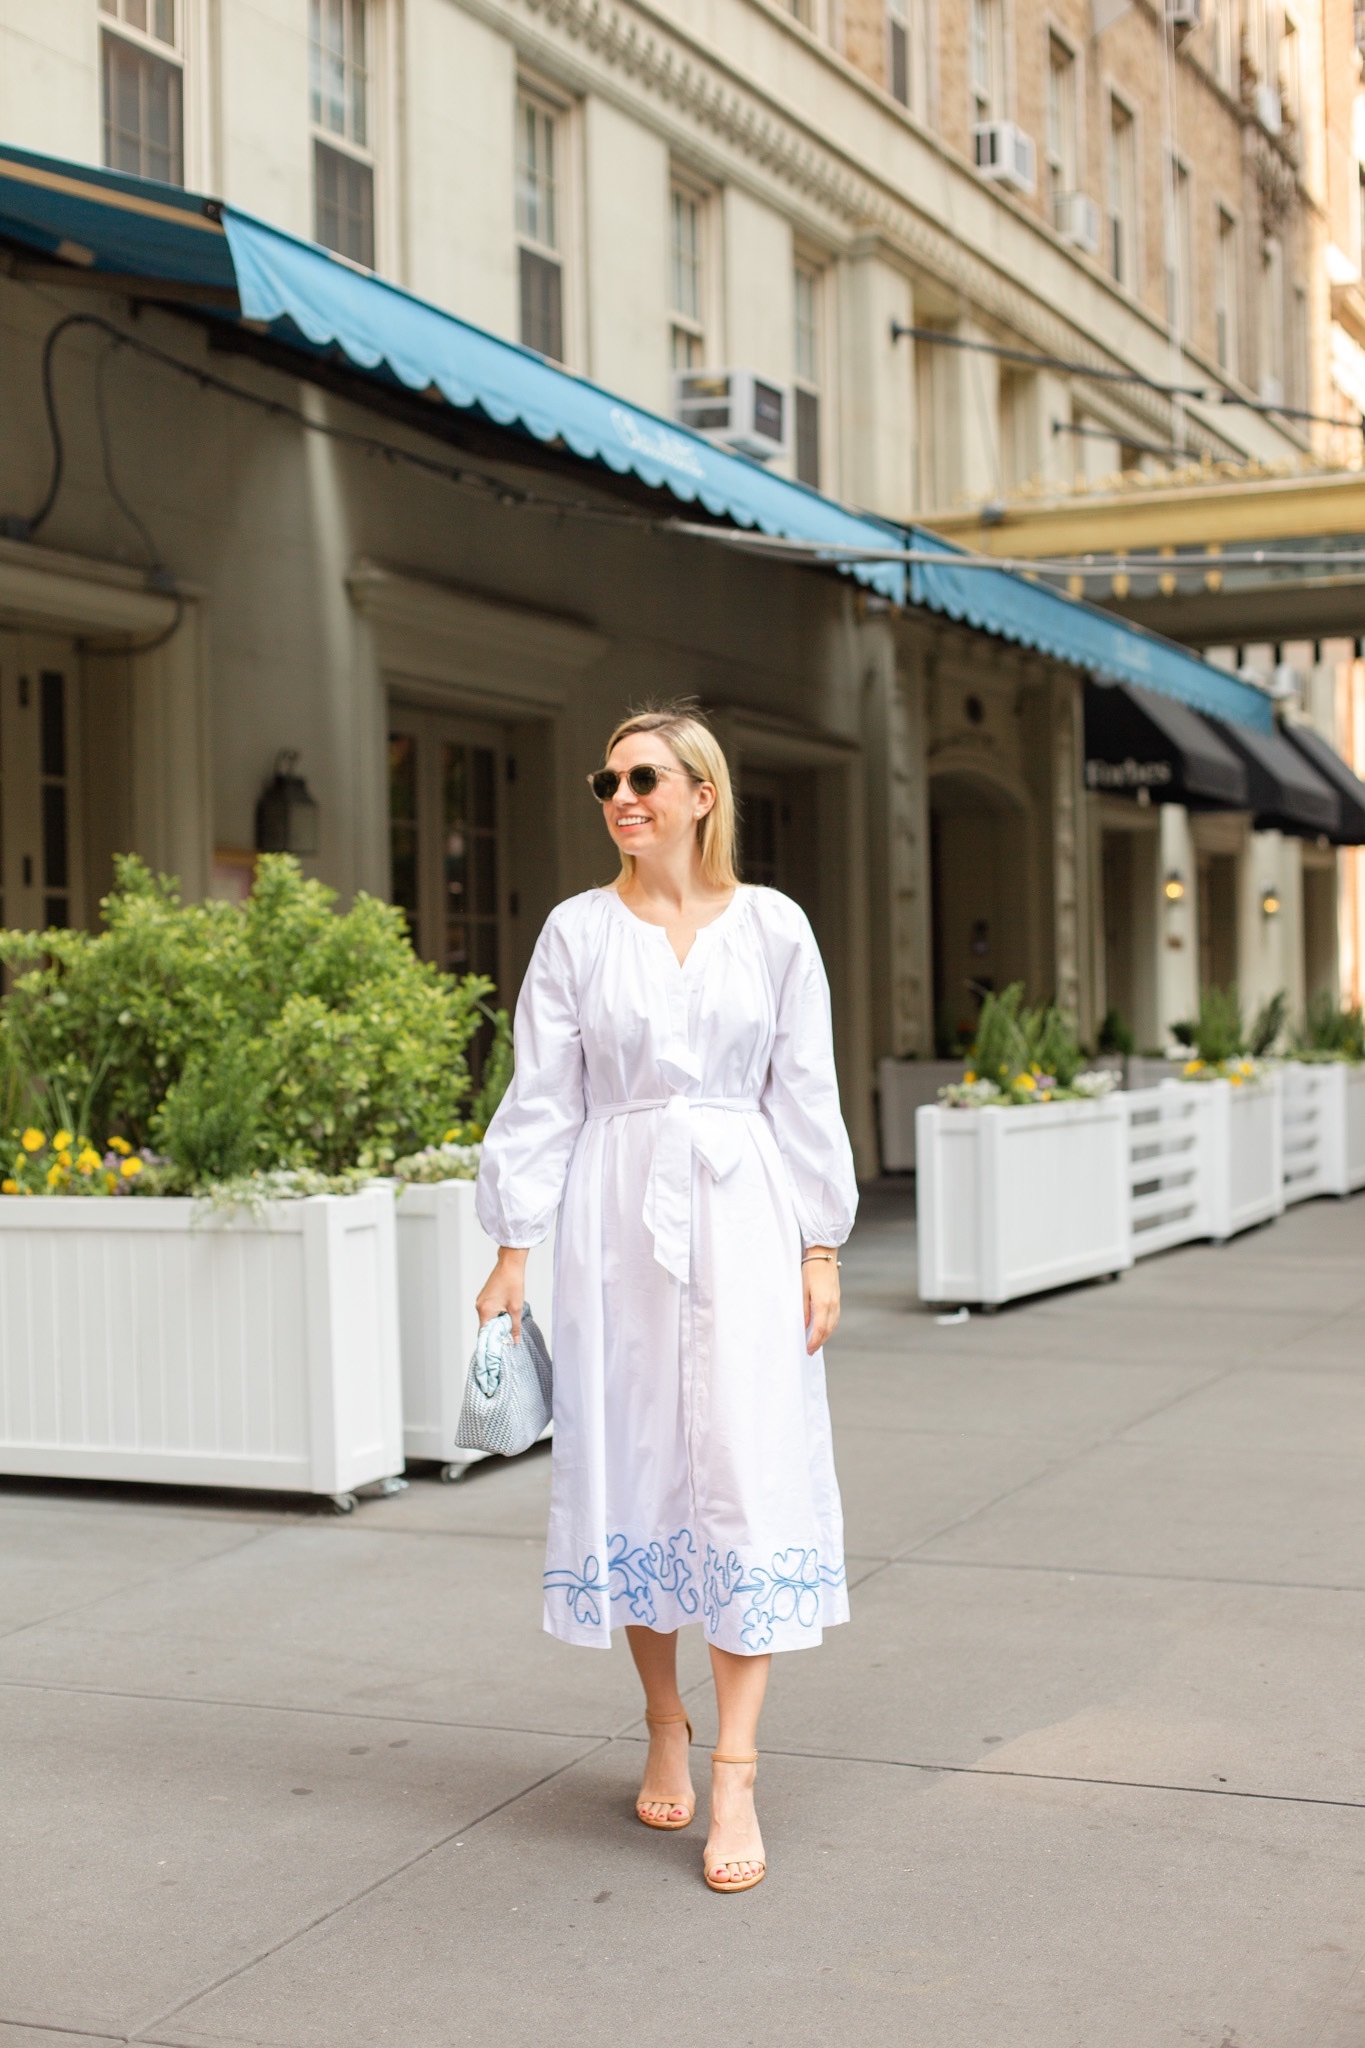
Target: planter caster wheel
pixel 344 1503
pixel 382 1488
pixel 451 1475
pixel 990 1308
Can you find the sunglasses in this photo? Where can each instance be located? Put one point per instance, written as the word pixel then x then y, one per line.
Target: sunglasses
pixel 643 780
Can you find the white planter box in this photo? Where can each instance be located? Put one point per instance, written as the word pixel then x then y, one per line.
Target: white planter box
pixel 1246 1153
pixel 444 1257
pixel 156 1339
pixel 1169 1137
pixel 1013 1201
pixel 1323 1129
pixel 903 1086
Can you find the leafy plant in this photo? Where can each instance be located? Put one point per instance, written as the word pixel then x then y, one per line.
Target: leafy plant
pixel 1216 1034
pixel 275 1034
pixel 1114 1035
pixel 1269 1023
pixel 1332 1032
pixel 1020 1055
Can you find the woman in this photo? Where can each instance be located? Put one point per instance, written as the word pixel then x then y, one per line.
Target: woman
pixel 675 1101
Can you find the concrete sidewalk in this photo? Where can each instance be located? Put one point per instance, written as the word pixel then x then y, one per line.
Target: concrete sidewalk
pixel 1086 1771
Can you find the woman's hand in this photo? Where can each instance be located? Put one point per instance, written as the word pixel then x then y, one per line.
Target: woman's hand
pixel 504 1291
pixel 820 1292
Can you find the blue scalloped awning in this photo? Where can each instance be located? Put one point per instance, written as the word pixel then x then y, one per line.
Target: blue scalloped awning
pixel 133 228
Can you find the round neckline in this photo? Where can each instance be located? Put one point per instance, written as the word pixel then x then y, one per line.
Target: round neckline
pixel 647 924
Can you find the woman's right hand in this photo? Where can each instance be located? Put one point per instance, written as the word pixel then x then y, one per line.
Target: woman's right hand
pixel 504 1291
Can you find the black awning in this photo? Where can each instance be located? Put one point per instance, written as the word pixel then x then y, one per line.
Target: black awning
pixel 1287 792
pixel 1141 745
pixel 1350 791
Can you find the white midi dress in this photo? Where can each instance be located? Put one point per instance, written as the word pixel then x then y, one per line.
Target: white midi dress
pixel 683 1121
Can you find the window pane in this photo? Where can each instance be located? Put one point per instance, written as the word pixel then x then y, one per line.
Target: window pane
pixel 542 311
pixel 53 721
pixel 344 204
pixel 805 351
pixel 455 828
pixel 483 792
pixel 142 113
pixel 403 776
pixel 56 911
pixel 359 68
pixel 163 28
pixel 808 438
pixel 403 824
pixel 900 62
pixel 135 13
pixel 485 876
pixel 537 173
pixel 54 835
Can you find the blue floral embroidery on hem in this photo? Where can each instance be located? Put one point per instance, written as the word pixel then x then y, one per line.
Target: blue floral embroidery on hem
pixel 784 1592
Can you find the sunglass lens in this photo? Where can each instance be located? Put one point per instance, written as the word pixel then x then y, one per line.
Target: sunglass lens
pixel 643 780
pixel 604 784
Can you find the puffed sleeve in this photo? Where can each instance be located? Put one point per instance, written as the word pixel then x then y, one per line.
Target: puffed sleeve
pixel 801 1095
pixel 526 1148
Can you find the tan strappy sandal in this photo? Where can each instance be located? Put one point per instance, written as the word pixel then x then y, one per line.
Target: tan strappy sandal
pixel 647 1820
pixel 745 1884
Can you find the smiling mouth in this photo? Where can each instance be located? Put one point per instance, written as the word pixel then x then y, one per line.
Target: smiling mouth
pixel 633 818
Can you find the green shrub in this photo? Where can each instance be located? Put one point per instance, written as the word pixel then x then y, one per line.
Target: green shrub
pixel 1216 1034
pixel 1012 1040
pixel 1114 1035
pixel 1331 1030
pixel 272 1034
pixel 1269 1023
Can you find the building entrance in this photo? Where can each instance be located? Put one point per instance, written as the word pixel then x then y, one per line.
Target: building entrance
pixel 1217 920
pixel 39 813
pixel 980 887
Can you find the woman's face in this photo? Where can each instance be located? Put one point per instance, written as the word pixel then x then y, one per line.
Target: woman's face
pixel 656 826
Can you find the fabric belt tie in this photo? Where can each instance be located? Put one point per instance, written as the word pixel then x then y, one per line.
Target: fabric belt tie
pixel 687 1125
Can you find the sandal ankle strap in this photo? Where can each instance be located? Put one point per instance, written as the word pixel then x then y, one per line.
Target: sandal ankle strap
pixel 664 1720
pixel 718 1758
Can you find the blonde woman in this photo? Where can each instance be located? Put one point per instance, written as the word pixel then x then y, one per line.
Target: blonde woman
pixel 675 1102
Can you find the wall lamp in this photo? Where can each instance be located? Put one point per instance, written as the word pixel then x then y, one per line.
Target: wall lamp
pixel 1270 903
pixel 287 814
pixel 1173 888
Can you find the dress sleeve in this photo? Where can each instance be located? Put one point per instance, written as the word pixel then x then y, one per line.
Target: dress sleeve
pixel 526 1147
pixel 801 1095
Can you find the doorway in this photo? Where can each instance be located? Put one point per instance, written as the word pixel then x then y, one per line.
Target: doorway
pixel 1217 920
pixel 1129 859
pixel 1319 925
pixel 446 841
pixel 778 833
pixel 39 782
pixel 979 872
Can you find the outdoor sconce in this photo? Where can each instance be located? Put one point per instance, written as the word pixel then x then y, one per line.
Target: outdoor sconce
pixel 287 814
pixel 1173 888
pixel 1270 903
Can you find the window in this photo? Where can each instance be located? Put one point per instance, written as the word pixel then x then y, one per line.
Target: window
pixel 686 279
pixel 1226 286
pixel 39 809
pixel 1290 82
pixel 1272 321
pixel 1179 276
pixel 806 363
pixel 1061 120
pixel 538 228
pixel 1018 429
pixel 1225 45
pixel 987 59
pixel 343 172
pixel 1122 184
pixel 907 54
pixel 803 11
pixel 143 91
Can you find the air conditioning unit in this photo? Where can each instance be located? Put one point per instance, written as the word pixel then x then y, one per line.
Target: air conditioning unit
pixel 1268 109
pixel 736 409
pixel 1184 15
pixel 1006 155
pixel 1076 218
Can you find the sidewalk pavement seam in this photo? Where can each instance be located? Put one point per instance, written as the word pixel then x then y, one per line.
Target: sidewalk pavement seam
pixel 1095 1571
pixel 171 1571
pixel 140 2033
pixel 79 2033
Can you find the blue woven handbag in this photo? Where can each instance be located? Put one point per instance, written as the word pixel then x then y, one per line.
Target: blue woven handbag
pixel 508 1397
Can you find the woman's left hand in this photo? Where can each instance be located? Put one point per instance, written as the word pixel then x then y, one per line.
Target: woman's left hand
pixel 820 1292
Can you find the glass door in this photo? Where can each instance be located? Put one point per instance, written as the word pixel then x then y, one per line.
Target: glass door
pixel 39 814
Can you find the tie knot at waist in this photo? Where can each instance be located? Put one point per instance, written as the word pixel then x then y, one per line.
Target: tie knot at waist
pixel 716 1141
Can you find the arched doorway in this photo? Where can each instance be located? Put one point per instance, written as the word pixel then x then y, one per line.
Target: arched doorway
pixel 981 897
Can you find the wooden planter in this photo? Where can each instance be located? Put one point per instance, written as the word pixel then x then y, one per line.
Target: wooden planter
pixel 1014 1201
pixel 147 1338
pixel 1323 1125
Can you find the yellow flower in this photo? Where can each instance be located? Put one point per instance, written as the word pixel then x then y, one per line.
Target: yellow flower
pixel 110 1183
pixel 1024 1081
pixel 9 1187
pixel 55 1175
pixel 1035 1068
pixel 130 1167
pixel 120 1145
pixel 33 1141
pixel 969 1075
pixel 64 1156
pixel 450 1137
pixel 1236 1080
pixel 88 1160
pixel 60 1140
pixel 1193 1066
pixel 1004 1066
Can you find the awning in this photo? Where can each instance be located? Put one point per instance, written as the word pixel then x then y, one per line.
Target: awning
pixel 128 229
pixel 1287 793
pixel 1141 745
pixel 1012 607
pixel 1350 830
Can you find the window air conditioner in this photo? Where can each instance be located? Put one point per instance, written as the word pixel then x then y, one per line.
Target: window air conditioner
pixel 736 409
pixel 1184 15
pixel 1268 110
pixel 1076 218
pixel 1005 155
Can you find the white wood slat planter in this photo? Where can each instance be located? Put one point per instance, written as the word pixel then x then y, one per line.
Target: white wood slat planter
pixel 1168 1165
pixel 903 1087
pixel 444 1257
pixel 1323 1128
pixel 1246 1153
pixel 151 1338
pixel 1014 1201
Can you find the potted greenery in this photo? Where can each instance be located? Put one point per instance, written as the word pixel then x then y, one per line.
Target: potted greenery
pixel 1324 1103
pixel 200 1283
pixel 1023 1165
pixel 1243 1130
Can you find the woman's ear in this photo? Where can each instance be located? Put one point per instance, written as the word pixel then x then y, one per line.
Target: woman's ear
pixel 705 799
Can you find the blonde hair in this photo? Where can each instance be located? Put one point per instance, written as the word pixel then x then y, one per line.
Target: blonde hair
pixel 684 728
